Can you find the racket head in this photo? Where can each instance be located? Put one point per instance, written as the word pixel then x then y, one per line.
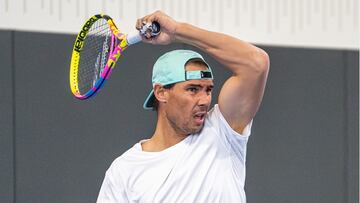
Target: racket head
pixel 97 47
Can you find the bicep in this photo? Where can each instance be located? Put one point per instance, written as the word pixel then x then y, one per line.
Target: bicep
pixel 240 97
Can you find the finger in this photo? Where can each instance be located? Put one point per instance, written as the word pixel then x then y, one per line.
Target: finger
pixel 148 34
pixel 145 19
pixel 156 16
pixel 146 40
pixel 138 24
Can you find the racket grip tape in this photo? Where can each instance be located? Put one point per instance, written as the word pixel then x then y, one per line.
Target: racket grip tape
pixel 133 38
pixel 153 28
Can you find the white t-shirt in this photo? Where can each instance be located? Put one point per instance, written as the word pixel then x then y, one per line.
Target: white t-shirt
pixel 205 167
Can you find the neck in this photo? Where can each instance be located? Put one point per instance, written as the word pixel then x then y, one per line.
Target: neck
pixel 165 135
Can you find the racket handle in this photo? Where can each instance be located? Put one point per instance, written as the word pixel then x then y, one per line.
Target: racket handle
pixel 153 28
pixel 133 38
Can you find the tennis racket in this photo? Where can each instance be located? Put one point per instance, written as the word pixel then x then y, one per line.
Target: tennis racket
pixel 97 47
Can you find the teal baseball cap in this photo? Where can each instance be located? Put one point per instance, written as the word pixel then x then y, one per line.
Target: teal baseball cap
pixel 170 69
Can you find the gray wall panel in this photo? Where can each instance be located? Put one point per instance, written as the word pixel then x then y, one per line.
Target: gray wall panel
pixel 304 146
pixel 351 165
pixel 296 152
pixel 54 155
pixel 6 118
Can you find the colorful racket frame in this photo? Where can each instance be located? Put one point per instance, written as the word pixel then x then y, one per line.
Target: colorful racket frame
pixel 115 52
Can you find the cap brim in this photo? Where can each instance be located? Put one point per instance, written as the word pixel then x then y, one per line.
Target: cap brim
pixel 148 104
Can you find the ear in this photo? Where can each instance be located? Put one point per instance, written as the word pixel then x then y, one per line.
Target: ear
pixel 160 93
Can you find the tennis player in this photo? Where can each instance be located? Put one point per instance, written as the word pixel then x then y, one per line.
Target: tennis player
pixel 196 154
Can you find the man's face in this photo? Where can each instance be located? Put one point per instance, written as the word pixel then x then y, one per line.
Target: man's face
pixel 188 103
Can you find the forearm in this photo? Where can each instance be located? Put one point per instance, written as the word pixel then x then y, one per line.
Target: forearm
pixel 236 55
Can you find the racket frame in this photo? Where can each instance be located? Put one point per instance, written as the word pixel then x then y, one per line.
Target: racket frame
pixel 116 50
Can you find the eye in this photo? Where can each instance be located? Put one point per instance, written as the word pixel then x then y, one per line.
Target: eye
pixel 192 89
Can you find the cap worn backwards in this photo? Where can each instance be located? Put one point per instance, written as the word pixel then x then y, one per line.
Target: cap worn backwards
pixel 170 69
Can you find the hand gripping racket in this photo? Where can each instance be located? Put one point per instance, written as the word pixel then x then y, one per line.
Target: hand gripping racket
pixel 97 47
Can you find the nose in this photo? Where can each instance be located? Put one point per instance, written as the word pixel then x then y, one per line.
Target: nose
pixel 204 99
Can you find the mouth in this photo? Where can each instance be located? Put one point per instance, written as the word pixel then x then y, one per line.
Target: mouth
pixel 199 118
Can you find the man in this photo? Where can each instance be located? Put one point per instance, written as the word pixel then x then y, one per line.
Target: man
pixel 194 155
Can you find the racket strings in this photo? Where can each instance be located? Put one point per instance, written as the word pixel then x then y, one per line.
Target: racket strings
pixel 94 55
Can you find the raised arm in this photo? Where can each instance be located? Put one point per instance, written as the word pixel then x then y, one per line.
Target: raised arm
pixel 241 95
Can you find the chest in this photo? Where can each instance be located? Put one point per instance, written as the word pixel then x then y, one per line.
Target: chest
pixel 199 172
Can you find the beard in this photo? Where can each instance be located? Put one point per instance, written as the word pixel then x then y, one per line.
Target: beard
pixel 185 127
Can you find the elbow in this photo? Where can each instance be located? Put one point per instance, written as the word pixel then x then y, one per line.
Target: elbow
pixel 261 61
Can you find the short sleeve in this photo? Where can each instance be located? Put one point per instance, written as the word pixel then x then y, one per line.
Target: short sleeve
pixel 112 189
pixel 233 141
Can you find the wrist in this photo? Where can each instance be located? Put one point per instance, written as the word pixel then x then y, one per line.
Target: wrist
pixel 179 31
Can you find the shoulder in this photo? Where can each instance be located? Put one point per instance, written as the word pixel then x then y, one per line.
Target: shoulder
pixel 217 121
pixel 118 165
